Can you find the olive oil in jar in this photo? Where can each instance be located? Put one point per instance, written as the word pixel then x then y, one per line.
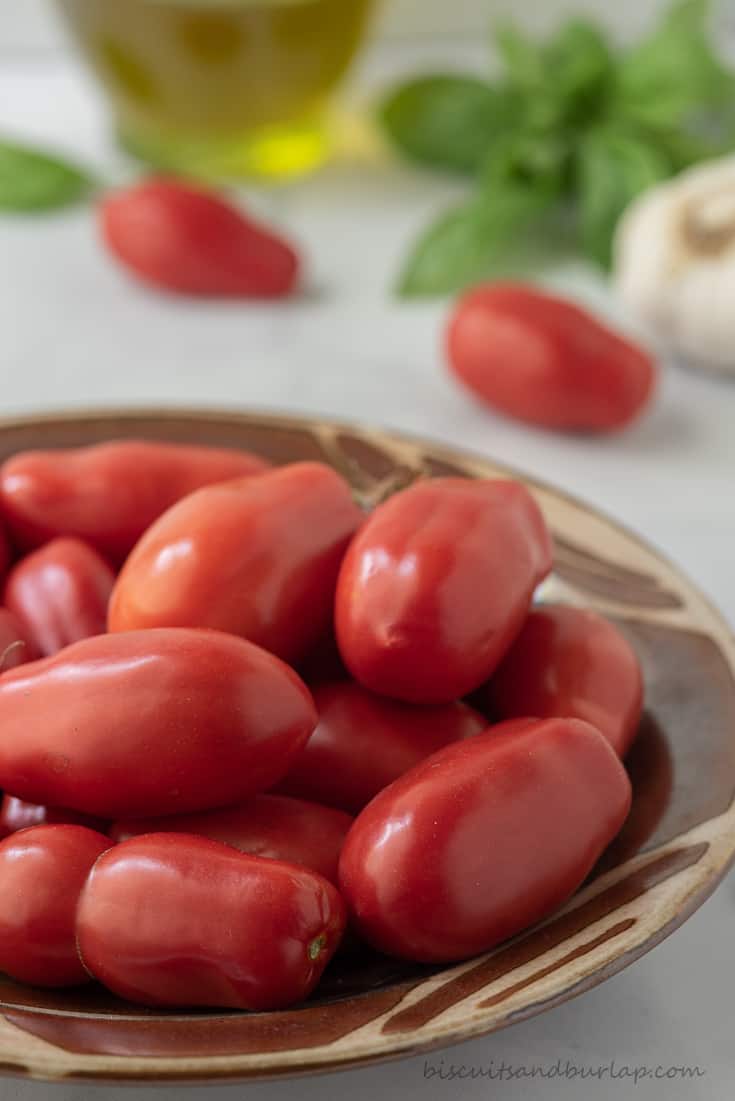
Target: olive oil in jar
pixel 221 87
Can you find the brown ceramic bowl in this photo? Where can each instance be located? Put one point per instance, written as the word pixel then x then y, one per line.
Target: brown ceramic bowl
pixel 676 845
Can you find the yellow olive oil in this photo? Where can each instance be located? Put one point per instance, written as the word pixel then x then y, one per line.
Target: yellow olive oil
pixel 221 87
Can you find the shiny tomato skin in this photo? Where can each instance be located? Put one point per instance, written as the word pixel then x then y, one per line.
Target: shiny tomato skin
pixel 482 839
pixel 59 594
pixel 42 872
pixel 256 557
pixel 570 662
pixel 272 826
pixel 436 585
pixel 15 646
pixel 171 919
pixel 364 742
pixel 151 723
pixel 17 814
pixel 108 493
pixel 546 361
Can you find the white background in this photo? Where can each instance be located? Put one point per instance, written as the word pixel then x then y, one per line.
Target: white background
pixel 75 332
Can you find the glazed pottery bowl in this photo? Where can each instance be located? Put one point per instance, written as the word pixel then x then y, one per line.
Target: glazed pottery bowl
pixel 674 848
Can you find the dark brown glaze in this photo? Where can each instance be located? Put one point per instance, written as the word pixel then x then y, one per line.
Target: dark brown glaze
pixel 87 999
pixel 575 954
pixel 440 468
pixel 278 443
pixel 650 767
pixel 374 472
pixel 192 1035
pixel 356 969
pixel 363 462
pixel 608 589
pixel 540 940
pixel 600 577
pixel 601 566
pixel 690 700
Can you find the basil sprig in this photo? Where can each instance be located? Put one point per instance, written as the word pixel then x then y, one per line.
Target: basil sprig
pixel 572 131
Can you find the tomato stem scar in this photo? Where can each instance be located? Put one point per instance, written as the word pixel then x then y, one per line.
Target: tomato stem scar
pixel 316 946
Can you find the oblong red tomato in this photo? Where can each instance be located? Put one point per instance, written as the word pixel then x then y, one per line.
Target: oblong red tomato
pixel 170 919
pixel 544 360
pixel 482 839
pixel 272 826
pixel 181 238
pixel 15 646
pixel 59 594
pixel 17 814
pixel 436 586
pixel 150 723
pixel 256 557
pixel 571 662
pixel 109 493
pixel 363 742
pixel 42 872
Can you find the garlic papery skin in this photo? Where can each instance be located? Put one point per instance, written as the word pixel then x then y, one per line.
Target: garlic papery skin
pixel 674 264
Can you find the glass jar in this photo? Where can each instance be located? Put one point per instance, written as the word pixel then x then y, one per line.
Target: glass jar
pixel 221 88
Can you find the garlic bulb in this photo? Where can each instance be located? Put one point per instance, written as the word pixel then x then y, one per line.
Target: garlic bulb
pixel 674 263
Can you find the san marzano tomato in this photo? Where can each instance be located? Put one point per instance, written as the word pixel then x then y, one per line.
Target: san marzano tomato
pixel 181 238
pixel 545 360
pixel 436 585
pixel 151 722
pixel 364 742
pixel 108 493
pixel 42 872
pixel 272 826
pixel 59 594
pixel 256 557
pixel 483 838
pixel 170 919
pixel 571 662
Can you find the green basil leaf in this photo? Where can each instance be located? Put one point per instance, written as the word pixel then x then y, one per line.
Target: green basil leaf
pixel 31 180
pixel 564 81
pixel 580 69
pixel 573 128
pixel 673 76
pixel 446 121
pixel 469 242
pixel 612 168
pixel 528 160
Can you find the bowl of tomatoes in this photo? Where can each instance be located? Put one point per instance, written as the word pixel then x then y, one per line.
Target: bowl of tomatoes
pixel 321 744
